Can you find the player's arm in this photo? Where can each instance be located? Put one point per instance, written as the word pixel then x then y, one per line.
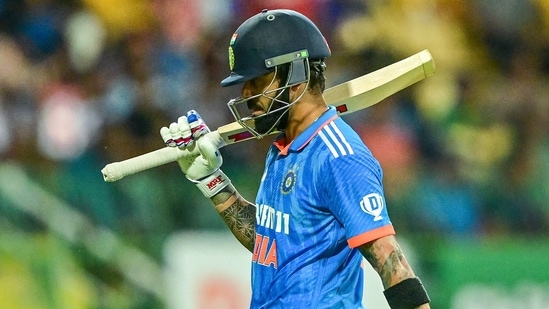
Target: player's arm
pixel 238 214
pixel 403 289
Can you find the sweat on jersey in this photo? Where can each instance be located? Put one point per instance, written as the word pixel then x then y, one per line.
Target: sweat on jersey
pixel 320 197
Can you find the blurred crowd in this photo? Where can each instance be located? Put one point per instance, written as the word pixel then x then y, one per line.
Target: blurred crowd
pixel 85 83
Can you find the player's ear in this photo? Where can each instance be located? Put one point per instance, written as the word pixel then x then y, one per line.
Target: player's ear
pixel 297 90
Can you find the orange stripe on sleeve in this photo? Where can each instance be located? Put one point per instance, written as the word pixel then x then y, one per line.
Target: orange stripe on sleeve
pixel 363 238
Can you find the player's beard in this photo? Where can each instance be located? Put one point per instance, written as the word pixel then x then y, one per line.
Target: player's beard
pixel 278 120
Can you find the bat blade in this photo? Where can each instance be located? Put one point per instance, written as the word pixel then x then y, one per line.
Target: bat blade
pixel 348 97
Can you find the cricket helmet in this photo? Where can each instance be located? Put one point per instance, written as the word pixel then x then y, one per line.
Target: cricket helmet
pixel 272 38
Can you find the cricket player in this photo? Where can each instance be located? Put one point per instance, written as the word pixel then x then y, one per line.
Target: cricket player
pixel 320 209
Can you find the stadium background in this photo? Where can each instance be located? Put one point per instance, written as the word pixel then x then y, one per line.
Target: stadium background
pixel 85 83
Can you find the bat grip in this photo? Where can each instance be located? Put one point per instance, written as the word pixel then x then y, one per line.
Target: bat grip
pixel 118 170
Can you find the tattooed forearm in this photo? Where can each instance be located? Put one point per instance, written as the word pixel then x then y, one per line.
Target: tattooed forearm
pixel 387 259
pixel 240 218
pixel 395 268
pixel 239 215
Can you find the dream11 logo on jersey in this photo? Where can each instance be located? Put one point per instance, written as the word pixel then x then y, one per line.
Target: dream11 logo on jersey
pixel 373 204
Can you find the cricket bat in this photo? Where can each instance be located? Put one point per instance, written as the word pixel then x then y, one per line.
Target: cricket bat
pixel 348 97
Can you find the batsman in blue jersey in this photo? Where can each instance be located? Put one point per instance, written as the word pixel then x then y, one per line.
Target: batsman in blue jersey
pixel 320 209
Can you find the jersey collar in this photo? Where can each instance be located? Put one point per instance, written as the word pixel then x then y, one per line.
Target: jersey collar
pixel 305 137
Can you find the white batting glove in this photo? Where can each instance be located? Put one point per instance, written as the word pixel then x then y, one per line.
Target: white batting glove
pixel 202 159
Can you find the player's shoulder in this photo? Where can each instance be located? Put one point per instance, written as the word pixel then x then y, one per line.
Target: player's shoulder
pixel 340 151
pixel 338 139
pixel 340 146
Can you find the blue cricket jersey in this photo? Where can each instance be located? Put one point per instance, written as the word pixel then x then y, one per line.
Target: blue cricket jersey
pixel 320 197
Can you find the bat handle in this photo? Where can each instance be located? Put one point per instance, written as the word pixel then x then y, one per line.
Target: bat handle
pixel 117 170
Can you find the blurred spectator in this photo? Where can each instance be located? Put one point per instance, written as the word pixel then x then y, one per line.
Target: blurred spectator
pixel 66 124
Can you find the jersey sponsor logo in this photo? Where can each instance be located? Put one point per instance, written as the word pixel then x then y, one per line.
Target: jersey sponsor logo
pixel 335 140
pixel 268 217
pixel 265 251
pixel 288 182
pixel 373 204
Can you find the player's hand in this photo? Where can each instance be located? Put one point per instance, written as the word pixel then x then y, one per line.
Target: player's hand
pixel 198 161
pixel 201 158
pixel 183 133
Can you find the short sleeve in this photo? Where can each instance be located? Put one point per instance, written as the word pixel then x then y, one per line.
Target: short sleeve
pixel 353 191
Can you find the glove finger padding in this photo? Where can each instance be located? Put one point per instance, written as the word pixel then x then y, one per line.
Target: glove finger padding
pixel 182 132
pixel 167 137
pixel 197 126
pixel 177 134
pixel 200 158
